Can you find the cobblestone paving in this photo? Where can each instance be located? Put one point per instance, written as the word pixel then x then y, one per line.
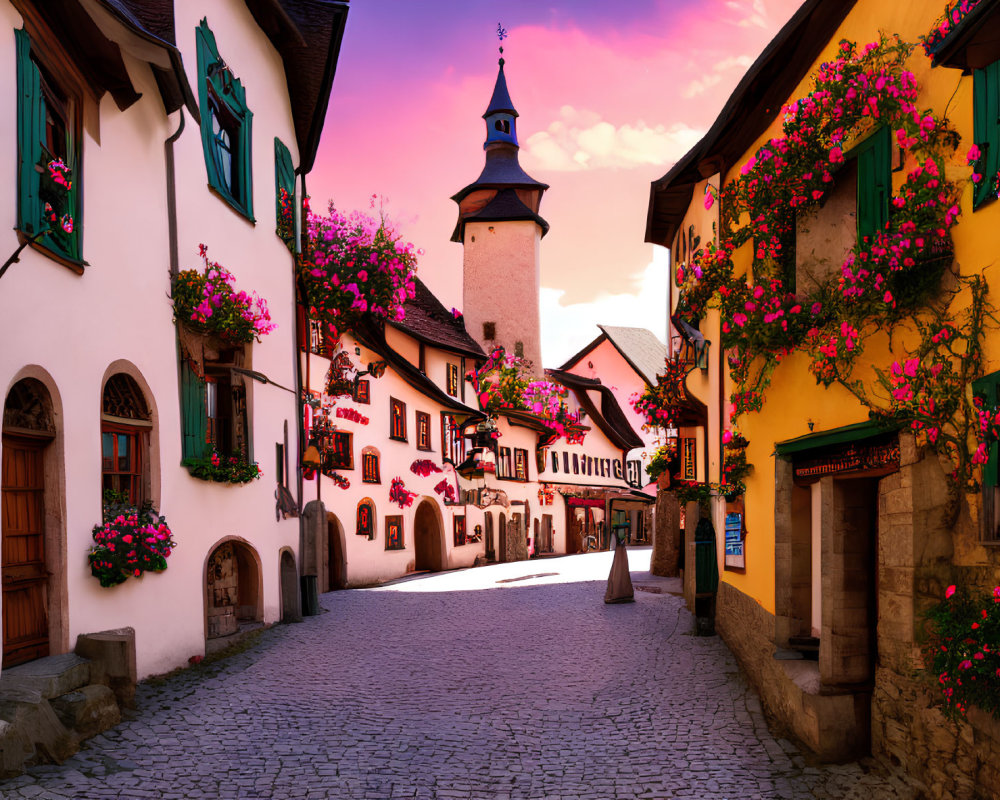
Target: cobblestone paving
pixel 524 689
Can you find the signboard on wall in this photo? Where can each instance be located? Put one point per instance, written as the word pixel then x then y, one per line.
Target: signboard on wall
pixel 735 555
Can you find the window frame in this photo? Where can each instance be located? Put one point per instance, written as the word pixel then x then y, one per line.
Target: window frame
pixel 341 455
pixel 217 82
pixel 136 475
pixel 452 440
pixel 50 71
pixel 459 534
pixel 390 521
pixel 451 379
pixel 397 433
pixel 368 474
pixel 373 529
pixel 521 464
pixel 986 132
pixel 423 424
pixel 988 387
pixel 505 464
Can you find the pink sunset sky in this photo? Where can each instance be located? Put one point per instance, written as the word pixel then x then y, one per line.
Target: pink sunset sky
pixel 610 95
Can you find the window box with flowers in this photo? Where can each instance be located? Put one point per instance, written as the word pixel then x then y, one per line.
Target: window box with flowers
pixel 129 542
pixel 216 325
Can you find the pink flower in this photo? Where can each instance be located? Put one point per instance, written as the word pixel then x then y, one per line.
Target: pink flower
pixel 949 591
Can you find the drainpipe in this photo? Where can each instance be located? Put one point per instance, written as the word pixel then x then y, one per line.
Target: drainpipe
pixel 168 147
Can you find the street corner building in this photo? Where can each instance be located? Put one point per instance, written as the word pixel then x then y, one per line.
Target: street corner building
pixel 834 235
pixel 148 318
pixel 441 441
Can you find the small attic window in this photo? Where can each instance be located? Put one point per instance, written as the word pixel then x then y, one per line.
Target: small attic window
pixel 519 349
pixel 502 125
pixel 489 331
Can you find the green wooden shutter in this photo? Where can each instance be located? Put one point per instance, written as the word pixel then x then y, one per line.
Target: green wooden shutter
pixel 284 178
pixel 30 129
pixel 874 183
pixel 986 130
pixel 194 413
pixel 228 89
pixel 988 387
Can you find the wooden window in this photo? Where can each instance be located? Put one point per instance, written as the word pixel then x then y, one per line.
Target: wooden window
pixel 459 531
pixel 315 336
pixel 874 183
pixel 489 331
pixel 576 464
pixel 555 462
pixel 519 349
pixel 366 519
pixel 394 533
pixel 362 392
pixel 214 411
pixel 986 132
pixel 369 466
pixel 566 462
pixel 341 452
pixel 125 425
pixel 225 125
pixel 504 464
pixel 452 441
pixel 521 464
pixel 423 430
pixel 397 419
pixel 987 390
pixel 49 133
pixel 422 358
pixel 284 193
pixel 453 380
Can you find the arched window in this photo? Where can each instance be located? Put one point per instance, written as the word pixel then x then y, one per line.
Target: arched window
pixel 366 519
pixel 125 425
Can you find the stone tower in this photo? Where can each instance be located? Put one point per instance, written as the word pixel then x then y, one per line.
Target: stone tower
pixel 499 227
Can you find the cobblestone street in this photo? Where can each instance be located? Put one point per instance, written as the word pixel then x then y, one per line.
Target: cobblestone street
pixel 511 681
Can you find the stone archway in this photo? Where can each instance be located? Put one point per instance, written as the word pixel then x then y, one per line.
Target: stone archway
pixel 428 538
pixel 233 595
pixel 32 539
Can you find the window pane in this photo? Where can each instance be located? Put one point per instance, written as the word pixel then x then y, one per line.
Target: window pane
pixel 107 452
pixel 124 453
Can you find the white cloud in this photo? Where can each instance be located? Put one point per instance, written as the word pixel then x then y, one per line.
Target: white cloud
pixel 702 85
pixel 567 328
pixel 583 140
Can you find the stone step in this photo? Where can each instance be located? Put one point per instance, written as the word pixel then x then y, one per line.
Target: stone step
pixel 46 677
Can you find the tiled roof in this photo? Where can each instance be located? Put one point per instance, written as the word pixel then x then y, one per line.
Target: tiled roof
pixel 640 348
pixel 430 322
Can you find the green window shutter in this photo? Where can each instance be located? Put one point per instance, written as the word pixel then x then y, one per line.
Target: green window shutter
pixel 986 131
pixel 216 78
pixel 874 183
pixel 988 387
pixel 284 180
pixel 30 129
pixel 194 413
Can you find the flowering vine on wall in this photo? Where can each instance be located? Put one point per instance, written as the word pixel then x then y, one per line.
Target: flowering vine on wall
pixel 886 280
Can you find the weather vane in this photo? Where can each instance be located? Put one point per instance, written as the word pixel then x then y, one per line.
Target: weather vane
pixel 501 35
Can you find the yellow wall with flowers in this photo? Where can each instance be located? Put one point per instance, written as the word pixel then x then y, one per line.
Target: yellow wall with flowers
pixel 794 405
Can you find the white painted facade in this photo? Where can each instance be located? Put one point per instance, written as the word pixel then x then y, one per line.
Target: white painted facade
pixel 73 331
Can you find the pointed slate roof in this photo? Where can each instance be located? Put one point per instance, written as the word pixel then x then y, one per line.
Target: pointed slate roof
pixel 429 321
pixel 501 102
pixel 502 170
pixel 505 206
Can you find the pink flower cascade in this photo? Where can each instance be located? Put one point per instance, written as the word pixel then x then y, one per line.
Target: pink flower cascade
pixel 399 494
pixel 954 13
pixel 424 467
pixel 446 489
pixel 356 265
pixel 352 415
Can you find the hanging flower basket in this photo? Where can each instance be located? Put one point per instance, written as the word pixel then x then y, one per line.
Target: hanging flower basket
pixel 223 470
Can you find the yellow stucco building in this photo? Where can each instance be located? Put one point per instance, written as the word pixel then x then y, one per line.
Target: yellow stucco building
pixel 850 525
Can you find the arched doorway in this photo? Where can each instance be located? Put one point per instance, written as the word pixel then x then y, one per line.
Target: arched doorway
pixel 233 588
pixel 30 539
pixel 289 582
pixel 428 539
pixel 335 562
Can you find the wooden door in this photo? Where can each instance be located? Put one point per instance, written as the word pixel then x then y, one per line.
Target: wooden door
pixel 547 534
pixel 502 553
pixel 22 552
pixel 575 530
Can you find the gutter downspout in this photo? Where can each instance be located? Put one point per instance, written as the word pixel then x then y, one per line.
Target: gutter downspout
pixel 168 147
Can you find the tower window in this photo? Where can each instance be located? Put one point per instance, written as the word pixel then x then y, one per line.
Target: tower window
pixel 502 125
pixel 519 349
pixel 489 331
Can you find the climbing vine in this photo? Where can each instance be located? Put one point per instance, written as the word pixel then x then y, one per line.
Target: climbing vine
pixel 891 279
